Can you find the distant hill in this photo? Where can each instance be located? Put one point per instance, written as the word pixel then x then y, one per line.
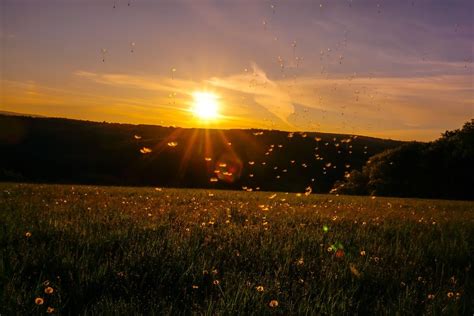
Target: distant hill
pixel 72 151
pixel 8 113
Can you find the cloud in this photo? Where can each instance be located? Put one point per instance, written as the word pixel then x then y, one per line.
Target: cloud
pixel 422 105
pixel 255 83
pixel 264 92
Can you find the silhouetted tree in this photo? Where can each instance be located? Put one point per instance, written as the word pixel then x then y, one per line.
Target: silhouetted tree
pixel 440 169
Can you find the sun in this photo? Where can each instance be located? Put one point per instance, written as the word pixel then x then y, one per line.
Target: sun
pixel 205 105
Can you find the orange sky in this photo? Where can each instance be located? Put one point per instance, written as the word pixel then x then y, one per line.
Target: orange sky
pixel 401 71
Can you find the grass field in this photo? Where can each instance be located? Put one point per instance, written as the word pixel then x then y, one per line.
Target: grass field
pixel 96 250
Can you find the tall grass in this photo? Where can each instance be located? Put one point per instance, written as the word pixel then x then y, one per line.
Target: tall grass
pixel 140 250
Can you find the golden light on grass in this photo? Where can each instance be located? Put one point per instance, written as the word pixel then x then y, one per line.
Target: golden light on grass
pixel 205 105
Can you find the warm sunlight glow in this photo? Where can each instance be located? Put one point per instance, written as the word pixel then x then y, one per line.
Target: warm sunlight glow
pixel 205 105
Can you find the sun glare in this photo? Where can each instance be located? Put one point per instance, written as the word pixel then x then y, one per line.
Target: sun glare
pixel 205 105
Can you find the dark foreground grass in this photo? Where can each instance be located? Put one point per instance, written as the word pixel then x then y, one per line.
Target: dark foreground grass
pixel 130 251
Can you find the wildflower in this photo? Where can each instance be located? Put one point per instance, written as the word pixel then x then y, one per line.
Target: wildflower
pixel 362 253
pixel 50 310
pixel 260 288
pixel 431 296
pixel 300 261
pixel 27 234
pixel 195 287
pixel 39 301
pixel 339 253
pixel 216 282
pixel 49 290
pixel 273 303
pixel 450 294
pixel 330 249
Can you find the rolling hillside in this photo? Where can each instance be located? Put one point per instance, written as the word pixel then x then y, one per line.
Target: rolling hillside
pixel 71 151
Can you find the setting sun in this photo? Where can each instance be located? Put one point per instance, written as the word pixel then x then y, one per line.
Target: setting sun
pixel 205 105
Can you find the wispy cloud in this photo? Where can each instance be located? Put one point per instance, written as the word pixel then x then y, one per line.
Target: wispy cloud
pixel 396 103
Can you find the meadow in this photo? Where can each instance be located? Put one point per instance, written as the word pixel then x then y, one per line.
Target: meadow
pixel 68 249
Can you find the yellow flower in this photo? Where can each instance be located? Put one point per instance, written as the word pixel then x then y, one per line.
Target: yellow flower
pixel 28 234
pixel 39 301
pixel 49 290
pixel 362 253
pixel 450 294
pixel 273 303
pixel 50 310
pixel 260 288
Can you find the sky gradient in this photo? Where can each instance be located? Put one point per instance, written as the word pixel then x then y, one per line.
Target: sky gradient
pixel 393 69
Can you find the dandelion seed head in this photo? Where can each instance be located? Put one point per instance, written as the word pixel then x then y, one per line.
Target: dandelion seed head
pixel 172 144
pixel 273 303
pixel 49 290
